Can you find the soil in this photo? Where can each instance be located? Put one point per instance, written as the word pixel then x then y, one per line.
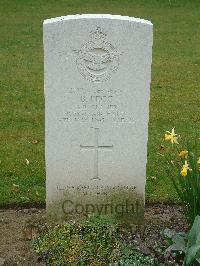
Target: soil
pixel 19 226
pixel 15 245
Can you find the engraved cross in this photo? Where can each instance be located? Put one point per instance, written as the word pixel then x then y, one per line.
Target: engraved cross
pixel 96 149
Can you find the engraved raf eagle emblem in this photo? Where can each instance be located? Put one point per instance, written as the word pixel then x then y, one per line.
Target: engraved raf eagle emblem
pixel 97 59
pixel 96 62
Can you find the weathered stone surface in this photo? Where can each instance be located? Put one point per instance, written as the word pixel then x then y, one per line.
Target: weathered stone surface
pixel 2 261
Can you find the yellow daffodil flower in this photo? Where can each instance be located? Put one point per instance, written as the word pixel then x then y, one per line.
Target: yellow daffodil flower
pixel 167 137
pixel 184 172
pixel 183 154
pixel 198 163
pixel 185 169
pixel 171 136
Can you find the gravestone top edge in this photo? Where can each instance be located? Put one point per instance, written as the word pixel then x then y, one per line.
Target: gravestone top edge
pixel 96 16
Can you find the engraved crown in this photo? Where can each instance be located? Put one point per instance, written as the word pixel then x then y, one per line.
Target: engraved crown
pixel 97 36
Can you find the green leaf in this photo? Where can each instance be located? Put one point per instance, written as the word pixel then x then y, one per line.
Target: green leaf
pixel 194 234
pixel 198 257
pixel 198 260
pixel 178 243
pixel 193 246
pixel 191 254
pixel 168 233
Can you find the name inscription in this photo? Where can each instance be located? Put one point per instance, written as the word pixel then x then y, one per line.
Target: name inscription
pixel 95 105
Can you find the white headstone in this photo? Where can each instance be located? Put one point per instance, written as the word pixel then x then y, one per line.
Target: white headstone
pixel 97 87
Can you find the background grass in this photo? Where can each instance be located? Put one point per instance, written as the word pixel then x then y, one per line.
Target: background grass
pixel 175 93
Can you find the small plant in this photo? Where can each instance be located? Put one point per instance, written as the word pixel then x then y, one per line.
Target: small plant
pixel 184 170
pixel 96 241
pixel 131 256
pixel 188 244
pixel 193 246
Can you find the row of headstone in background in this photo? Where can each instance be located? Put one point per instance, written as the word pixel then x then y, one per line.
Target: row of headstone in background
pixel 97 87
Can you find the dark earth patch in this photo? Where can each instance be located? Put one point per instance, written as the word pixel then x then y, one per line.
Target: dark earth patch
pixel 19 226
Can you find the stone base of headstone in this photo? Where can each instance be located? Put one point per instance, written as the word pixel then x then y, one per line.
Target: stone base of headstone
pixel 120 202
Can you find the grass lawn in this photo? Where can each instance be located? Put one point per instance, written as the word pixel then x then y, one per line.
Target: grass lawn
pixel 175 92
